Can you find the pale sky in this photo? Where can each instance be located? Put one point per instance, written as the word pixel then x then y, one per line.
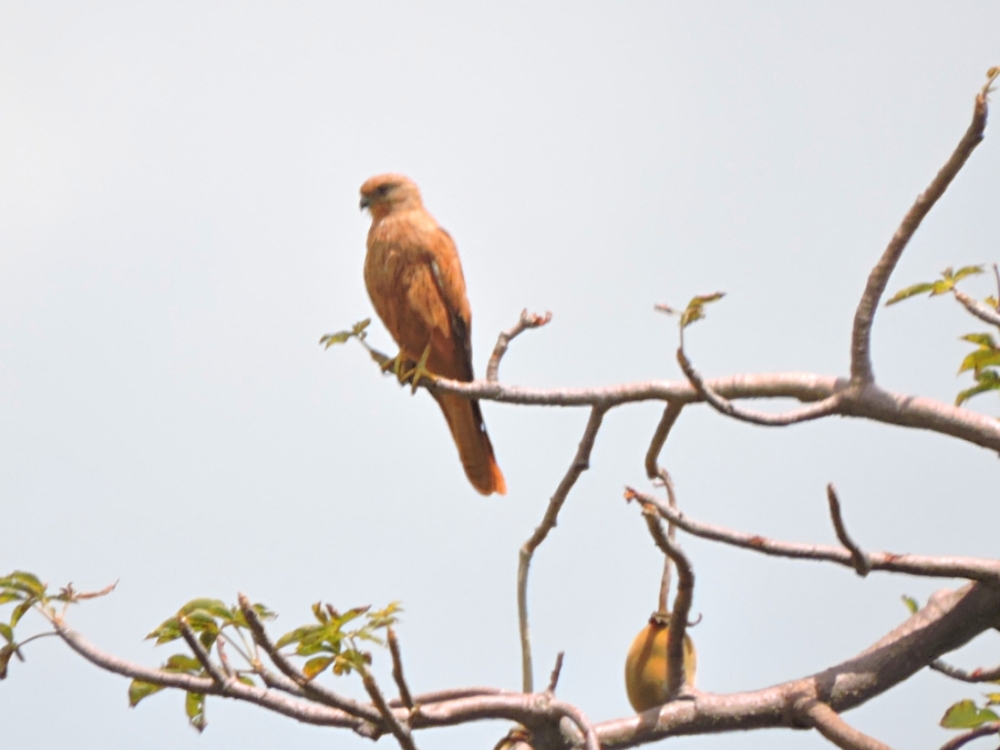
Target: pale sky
pixel 179 225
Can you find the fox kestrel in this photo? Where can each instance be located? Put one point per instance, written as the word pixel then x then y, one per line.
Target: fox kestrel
pixel 415 282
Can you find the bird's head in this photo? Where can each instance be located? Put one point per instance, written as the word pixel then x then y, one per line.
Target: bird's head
pixel 389 192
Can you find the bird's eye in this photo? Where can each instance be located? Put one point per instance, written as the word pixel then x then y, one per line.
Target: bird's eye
pixel 382 189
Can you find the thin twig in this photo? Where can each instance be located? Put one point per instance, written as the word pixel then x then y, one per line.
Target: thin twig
pixel 526 321
pixel 581 462
pixel 996 275
pixel 828 723
pixel 554 677
pixel 670 414
pixel 668 563
pixel 397 669
pixel 676 673
pixel 400 732
pixel 312 689
pixel 451 694
pixel 983 730
pixel 976 675
pixel 814 411
pixel 972 568
pixel 858 557
pixel 217 675
pixel 978 309
pixel 861 364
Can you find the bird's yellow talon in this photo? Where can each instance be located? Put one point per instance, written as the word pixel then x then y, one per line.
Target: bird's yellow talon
pixel 418 371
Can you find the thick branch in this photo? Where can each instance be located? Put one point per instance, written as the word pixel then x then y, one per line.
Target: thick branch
pixel 977 569
pixel 861 365
pixel 400 732
pixel 581 462
pixel 950 620
pixel 868 402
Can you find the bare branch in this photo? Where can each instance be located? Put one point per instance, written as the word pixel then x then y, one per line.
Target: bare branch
pixel 826 721
pixel 676 673
pixel 670 415
pixel 858 557
pixel 978 309
pixel 400 732
pixel 313 690
pixel 668 563
pixel 824 408
pixel 577 716
pixel 976 569
pixel 451 694
pixel 526 321
pixel 554 677
pixel 983 730
pixel 976 675
pixel 581 462
pixel 397 669
pixel 861 364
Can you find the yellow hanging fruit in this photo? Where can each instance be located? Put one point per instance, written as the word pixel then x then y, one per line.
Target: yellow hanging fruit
pixel 646 665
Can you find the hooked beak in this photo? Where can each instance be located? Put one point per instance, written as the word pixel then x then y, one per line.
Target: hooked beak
pixel 365 202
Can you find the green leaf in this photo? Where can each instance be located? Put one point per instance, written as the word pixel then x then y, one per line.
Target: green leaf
pixel 29 581
pixel 993 699
pixel 9 595
pixel 980 360
pixel 983 339
pixel 246 680
pixel 911 604
pixel 182 663
pixel 316 665
pixel 296 635
pixel 988 380
pixel 966 715
pixel 213 607
pixel 357 331
pixel 7 632
pixel 19 611
pixel 961 273
pixel 696 308
pixel 194 706
pixel 910 291
pixel 169 630
pixel 137 690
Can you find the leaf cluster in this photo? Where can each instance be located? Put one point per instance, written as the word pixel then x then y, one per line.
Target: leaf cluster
pixel 984 360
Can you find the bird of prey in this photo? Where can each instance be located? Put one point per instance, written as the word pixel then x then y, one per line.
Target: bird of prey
pixel 415 282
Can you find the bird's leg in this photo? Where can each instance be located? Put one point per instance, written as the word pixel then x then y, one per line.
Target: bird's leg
pixel 397 365
pixel 418 371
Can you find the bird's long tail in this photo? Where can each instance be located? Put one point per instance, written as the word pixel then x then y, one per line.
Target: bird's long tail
pixel 465 420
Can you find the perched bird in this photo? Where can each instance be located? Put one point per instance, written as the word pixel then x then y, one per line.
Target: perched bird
pixel 647 663
pixel 415 282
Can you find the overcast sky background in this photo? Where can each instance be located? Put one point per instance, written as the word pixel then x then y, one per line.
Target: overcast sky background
pixel 179 225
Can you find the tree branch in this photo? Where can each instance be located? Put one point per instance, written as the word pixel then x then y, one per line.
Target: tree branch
pixel 828 723
pixel 400 732
pixel 972 568
pixel 581 462
pixel 397 669
pixel 313 690
pixel 950 620
pixel 978 309
pixel 526 321
pixel 976 675
pixel 858 557
pixel 983 730
pixel 861 365
pixel 676 673
pixel 670 414
pixel 824 408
